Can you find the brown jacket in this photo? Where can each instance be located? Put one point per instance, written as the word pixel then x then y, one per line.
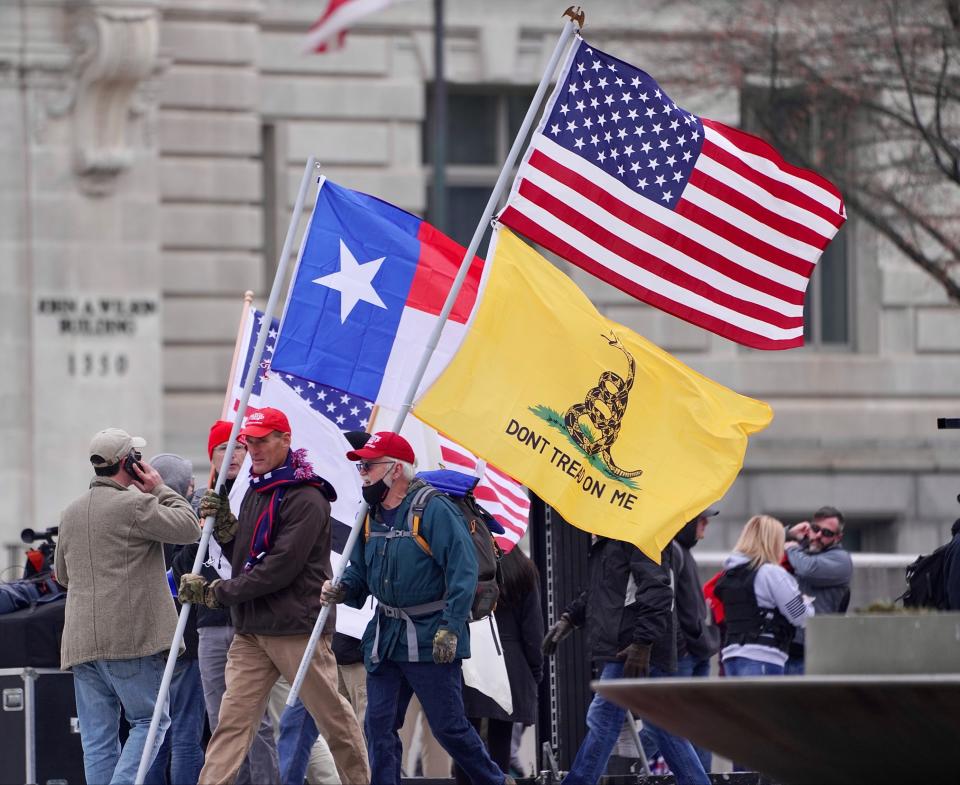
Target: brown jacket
pixel 110 558
pixel 281 594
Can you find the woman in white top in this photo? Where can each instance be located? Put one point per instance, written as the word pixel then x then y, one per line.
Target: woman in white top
pixel 761 601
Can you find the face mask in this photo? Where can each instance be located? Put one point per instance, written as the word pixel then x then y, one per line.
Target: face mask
pixel 374 494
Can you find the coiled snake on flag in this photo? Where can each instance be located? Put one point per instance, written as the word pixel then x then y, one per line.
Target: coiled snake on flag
pixel 611 391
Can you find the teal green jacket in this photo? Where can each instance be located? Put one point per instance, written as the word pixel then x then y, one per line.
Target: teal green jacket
pixel 399 573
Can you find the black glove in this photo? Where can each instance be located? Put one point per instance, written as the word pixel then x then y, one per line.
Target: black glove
pixel 637 660
pixel 225 523
pixel 555 634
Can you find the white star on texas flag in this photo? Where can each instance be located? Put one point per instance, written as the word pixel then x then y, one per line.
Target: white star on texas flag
pixel 354 281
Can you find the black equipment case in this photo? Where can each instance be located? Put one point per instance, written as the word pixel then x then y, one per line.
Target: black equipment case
pixel 39 734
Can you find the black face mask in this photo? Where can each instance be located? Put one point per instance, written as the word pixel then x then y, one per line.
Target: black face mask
pixel 687 536
pixel 375 493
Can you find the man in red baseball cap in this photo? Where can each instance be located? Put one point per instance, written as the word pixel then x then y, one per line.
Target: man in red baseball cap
pixel 279 563
pixel 417 558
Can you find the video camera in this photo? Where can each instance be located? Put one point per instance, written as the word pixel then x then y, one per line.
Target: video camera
pixel 39 559
pixel 29 536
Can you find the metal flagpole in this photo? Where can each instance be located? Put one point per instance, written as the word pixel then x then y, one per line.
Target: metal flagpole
pixel 569 27
pixel 244 315
pixel 283 262
pixel 438 205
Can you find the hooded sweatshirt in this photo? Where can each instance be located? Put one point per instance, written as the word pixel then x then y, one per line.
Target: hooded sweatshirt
pixel 774 588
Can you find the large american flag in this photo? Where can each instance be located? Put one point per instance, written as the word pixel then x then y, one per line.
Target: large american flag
pixel 500 495
pixel 689 215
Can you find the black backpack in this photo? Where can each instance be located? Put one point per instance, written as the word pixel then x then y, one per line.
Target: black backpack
pixel 926 587
pixel 458 487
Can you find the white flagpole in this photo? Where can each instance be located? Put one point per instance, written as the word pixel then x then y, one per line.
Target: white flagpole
pixel 282 264
pixel 569 27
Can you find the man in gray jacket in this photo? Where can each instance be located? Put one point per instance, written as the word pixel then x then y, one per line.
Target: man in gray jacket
pixel 120 616
pixel 823 568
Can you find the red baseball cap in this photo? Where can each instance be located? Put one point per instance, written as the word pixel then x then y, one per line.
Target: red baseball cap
pixel 261 422
pixel 219 433
pixel 384 443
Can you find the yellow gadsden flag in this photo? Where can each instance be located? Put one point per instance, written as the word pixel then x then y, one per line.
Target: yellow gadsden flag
pixel 619 437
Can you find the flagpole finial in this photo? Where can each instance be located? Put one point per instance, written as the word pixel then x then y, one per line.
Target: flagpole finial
pixel 576 14
pixel 248 297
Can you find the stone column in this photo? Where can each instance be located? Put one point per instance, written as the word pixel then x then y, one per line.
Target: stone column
pixel 79 207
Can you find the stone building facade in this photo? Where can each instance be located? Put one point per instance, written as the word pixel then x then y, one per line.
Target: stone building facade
pixel 151 153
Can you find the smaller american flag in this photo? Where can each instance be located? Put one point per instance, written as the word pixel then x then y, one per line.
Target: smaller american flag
pixel 500 495
pixel 349 412
pixel 330 30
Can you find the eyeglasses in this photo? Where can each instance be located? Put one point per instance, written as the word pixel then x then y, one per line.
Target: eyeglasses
pixel 364 466
pixel 822 531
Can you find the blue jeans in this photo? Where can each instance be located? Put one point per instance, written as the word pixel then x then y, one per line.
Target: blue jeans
pixel 102 687
pixel 298 733
pixel 604 720
pixel 389 689
pixel 181 746
pixel 743 666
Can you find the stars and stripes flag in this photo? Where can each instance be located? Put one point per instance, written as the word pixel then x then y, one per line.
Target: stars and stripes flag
pixel 499 494
pixel 330 30
pixel 687 214
pixel 348 412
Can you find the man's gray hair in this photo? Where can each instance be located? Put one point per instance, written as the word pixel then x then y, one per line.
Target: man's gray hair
pixel 177 472
pixel 409 470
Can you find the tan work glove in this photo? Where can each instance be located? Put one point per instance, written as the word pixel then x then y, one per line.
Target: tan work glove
pixel 636 660
pixel 444 647
pixel 332 595
pixel 225 522
pixel 195 590
pixel 555 634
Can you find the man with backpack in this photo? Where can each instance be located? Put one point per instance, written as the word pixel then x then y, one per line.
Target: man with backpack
pixel 417 558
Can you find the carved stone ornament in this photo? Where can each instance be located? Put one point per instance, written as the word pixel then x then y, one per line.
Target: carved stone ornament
pixel 117 50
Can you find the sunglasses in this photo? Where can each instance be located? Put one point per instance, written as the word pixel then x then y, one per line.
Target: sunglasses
pixel 364 466
pixel 822 531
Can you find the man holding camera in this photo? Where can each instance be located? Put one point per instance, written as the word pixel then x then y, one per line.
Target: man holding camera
pixel 120 617
pixel 823 568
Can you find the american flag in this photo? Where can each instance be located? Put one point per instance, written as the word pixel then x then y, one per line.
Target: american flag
pixel 349 412
pixel 330 30
pixel 699 219
pixel 499 494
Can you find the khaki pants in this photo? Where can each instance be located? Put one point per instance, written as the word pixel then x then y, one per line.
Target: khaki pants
pixel 253 665
pixel 434 759
pixel 353 687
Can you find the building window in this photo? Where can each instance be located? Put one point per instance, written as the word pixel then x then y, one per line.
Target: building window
pixel 481 125
pixel 812 132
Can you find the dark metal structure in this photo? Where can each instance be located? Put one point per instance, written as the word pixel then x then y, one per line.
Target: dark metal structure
pixel 560 553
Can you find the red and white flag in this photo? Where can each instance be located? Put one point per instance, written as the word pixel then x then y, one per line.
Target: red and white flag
pixel 499 494
pixel 689 215
pixel 330 30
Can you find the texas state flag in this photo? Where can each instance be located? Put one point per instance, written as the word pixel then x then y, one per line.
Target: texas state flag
pixel 368 289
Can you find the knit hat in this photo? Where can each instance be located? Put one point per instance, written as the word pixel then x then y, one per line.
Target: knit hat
pixel 177 472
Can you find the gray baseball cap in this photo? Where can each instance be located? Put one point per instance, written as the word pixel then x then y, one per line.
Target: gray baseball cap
pixel 110 446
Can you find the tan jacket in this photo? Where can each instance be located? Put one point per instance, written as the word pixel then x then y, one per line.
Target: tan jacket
pixel 110 558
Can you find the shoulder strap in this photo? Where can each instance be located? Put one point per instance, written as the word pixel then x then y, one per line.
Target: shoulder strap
pixel 415 514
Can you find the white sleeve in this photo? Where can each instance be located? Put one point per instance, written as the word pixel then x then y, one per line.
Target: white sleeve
pixel 782 587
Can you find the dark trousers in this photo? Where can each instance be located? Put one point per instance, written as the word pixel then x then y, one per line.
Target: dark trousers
pixel 438 687
pixel 498 739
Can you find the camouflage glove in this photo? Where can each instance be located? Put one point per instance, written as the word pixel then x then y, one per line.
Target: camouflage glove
pixel 444 647
pixel 225 522
pixel 332 595
pixel 555 634
pixel 195 590
pixel 637 660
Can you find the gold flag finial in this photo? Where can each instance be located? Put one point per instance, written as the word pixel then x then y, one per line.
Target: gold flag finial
pixel 576 14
